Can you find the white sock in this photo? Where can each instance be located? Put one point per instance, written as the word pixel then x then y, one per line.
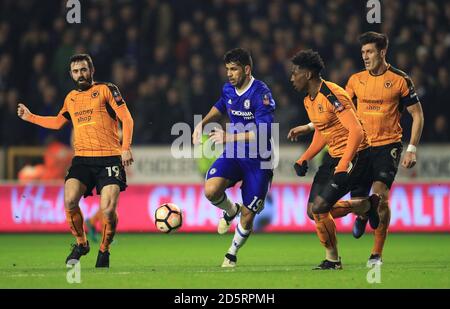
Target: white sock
pixel 225 204
pixel 239 239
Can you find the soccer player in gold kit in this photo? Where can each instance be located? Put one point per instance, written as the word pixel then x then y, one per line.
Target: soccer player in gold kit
pixel 94 109
pixel 381 93
pixel 333 114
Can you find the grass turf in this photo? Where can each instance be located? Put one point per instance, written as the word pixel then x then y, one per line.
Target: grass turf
pixel 193 260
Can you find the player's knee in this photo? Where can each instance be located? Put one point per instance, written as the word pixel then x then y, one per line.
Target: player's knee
pixel 109 211
pixel 383 209
pixel 316 209
pixel 213 192
pixel 381 189
pixel 71 201
pixel 109 207
pixel 320 206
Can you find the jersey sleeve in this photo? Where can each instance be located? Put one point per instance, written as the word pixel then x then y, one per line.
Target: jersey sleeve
pixel 408 95
pixel 350 87
pixel 343 108
pixel 265 108
pixel 116 101
pixel 340 101
pixel 264 114
pixel 113 97
pixel 52 122
pixel 317 144
pixel 355 136
pixel 64 111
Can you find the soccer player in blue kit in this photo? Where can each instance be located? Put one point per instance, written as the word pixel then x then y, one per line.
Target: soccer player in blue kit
pixel 250 107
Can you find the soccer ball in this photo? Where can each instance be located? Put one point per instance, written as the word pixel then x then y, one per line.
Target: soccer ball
pixel 168 218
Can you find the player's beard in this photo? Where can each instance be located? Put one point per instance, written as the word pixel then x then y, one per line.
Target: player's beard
pixel 82 83
pixel 240 82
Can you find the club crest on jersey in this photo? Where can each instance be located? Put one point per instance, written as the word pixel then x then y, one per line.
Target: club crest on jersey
pixel 338 106
pixel 230 102
pixel 319 106
pixel 266 99
pixel 94 94
pixel 247 104
pixel 387 84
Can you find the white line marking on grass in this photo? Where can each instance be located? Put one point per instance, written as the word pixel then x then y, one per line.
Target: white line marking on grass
pixel 25 275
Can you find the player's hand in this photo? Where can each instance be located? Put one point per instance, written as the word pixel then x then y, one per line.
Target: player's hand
pixel 218 136
pixel 409 160
pixel 197 135
pixel 301 169
pixel 341 179
pixel 294 133
pixel 23 112
pixel 127 158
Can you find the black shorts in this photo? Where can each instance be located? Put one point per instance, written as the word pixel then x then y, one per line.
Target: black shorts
pixel 98 172
pixel 383 167
pixel 323 180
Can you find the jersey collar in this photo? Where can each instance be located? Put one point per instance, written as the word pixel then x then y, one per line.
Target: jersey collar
pixel 240 93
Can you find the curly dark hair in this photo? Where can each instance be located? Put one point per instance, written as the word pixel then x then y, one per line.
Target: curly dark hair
pixel 309 59
pixel 380 39
pixel 240 56
pixel 82 57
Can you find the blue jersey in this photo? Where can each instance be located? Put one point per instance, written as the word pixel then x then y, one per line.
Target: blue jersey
pixel 252 109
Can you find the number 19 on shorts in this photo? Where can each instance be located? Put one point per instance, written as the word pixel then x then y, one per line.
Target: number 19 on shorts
pixel 113 169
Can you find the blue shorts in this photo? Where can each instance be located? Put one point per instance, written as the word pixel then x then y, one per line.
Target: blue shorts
pixel 255 181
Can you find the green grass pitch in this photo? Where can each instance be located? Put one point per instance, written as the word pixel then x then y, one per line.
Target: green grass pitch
pixel 192 261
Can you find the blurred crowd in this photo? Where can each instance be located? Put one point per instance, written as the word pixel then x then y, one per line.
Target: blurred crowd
pixel 166 56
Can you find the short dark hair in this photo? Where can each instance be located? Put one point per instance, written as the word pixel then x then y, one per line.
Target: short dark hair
pixel 238 55
pixel 82 57
pixel 309 59
pixel 380 39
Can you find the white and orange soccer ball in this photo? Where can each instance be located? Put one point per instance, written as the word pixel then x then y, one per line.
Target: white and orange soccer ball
pixel 168 218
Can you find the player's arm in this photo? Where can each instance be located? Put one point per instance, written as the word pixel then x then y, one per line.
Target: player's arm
pixel 49 122
pixel 294 133
pixel 127 131
pixel 317 144
pixel 116 101
pixel 416 113
pixel 348 119
pixel 410 99
pixel 219 136
pixel 213 115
